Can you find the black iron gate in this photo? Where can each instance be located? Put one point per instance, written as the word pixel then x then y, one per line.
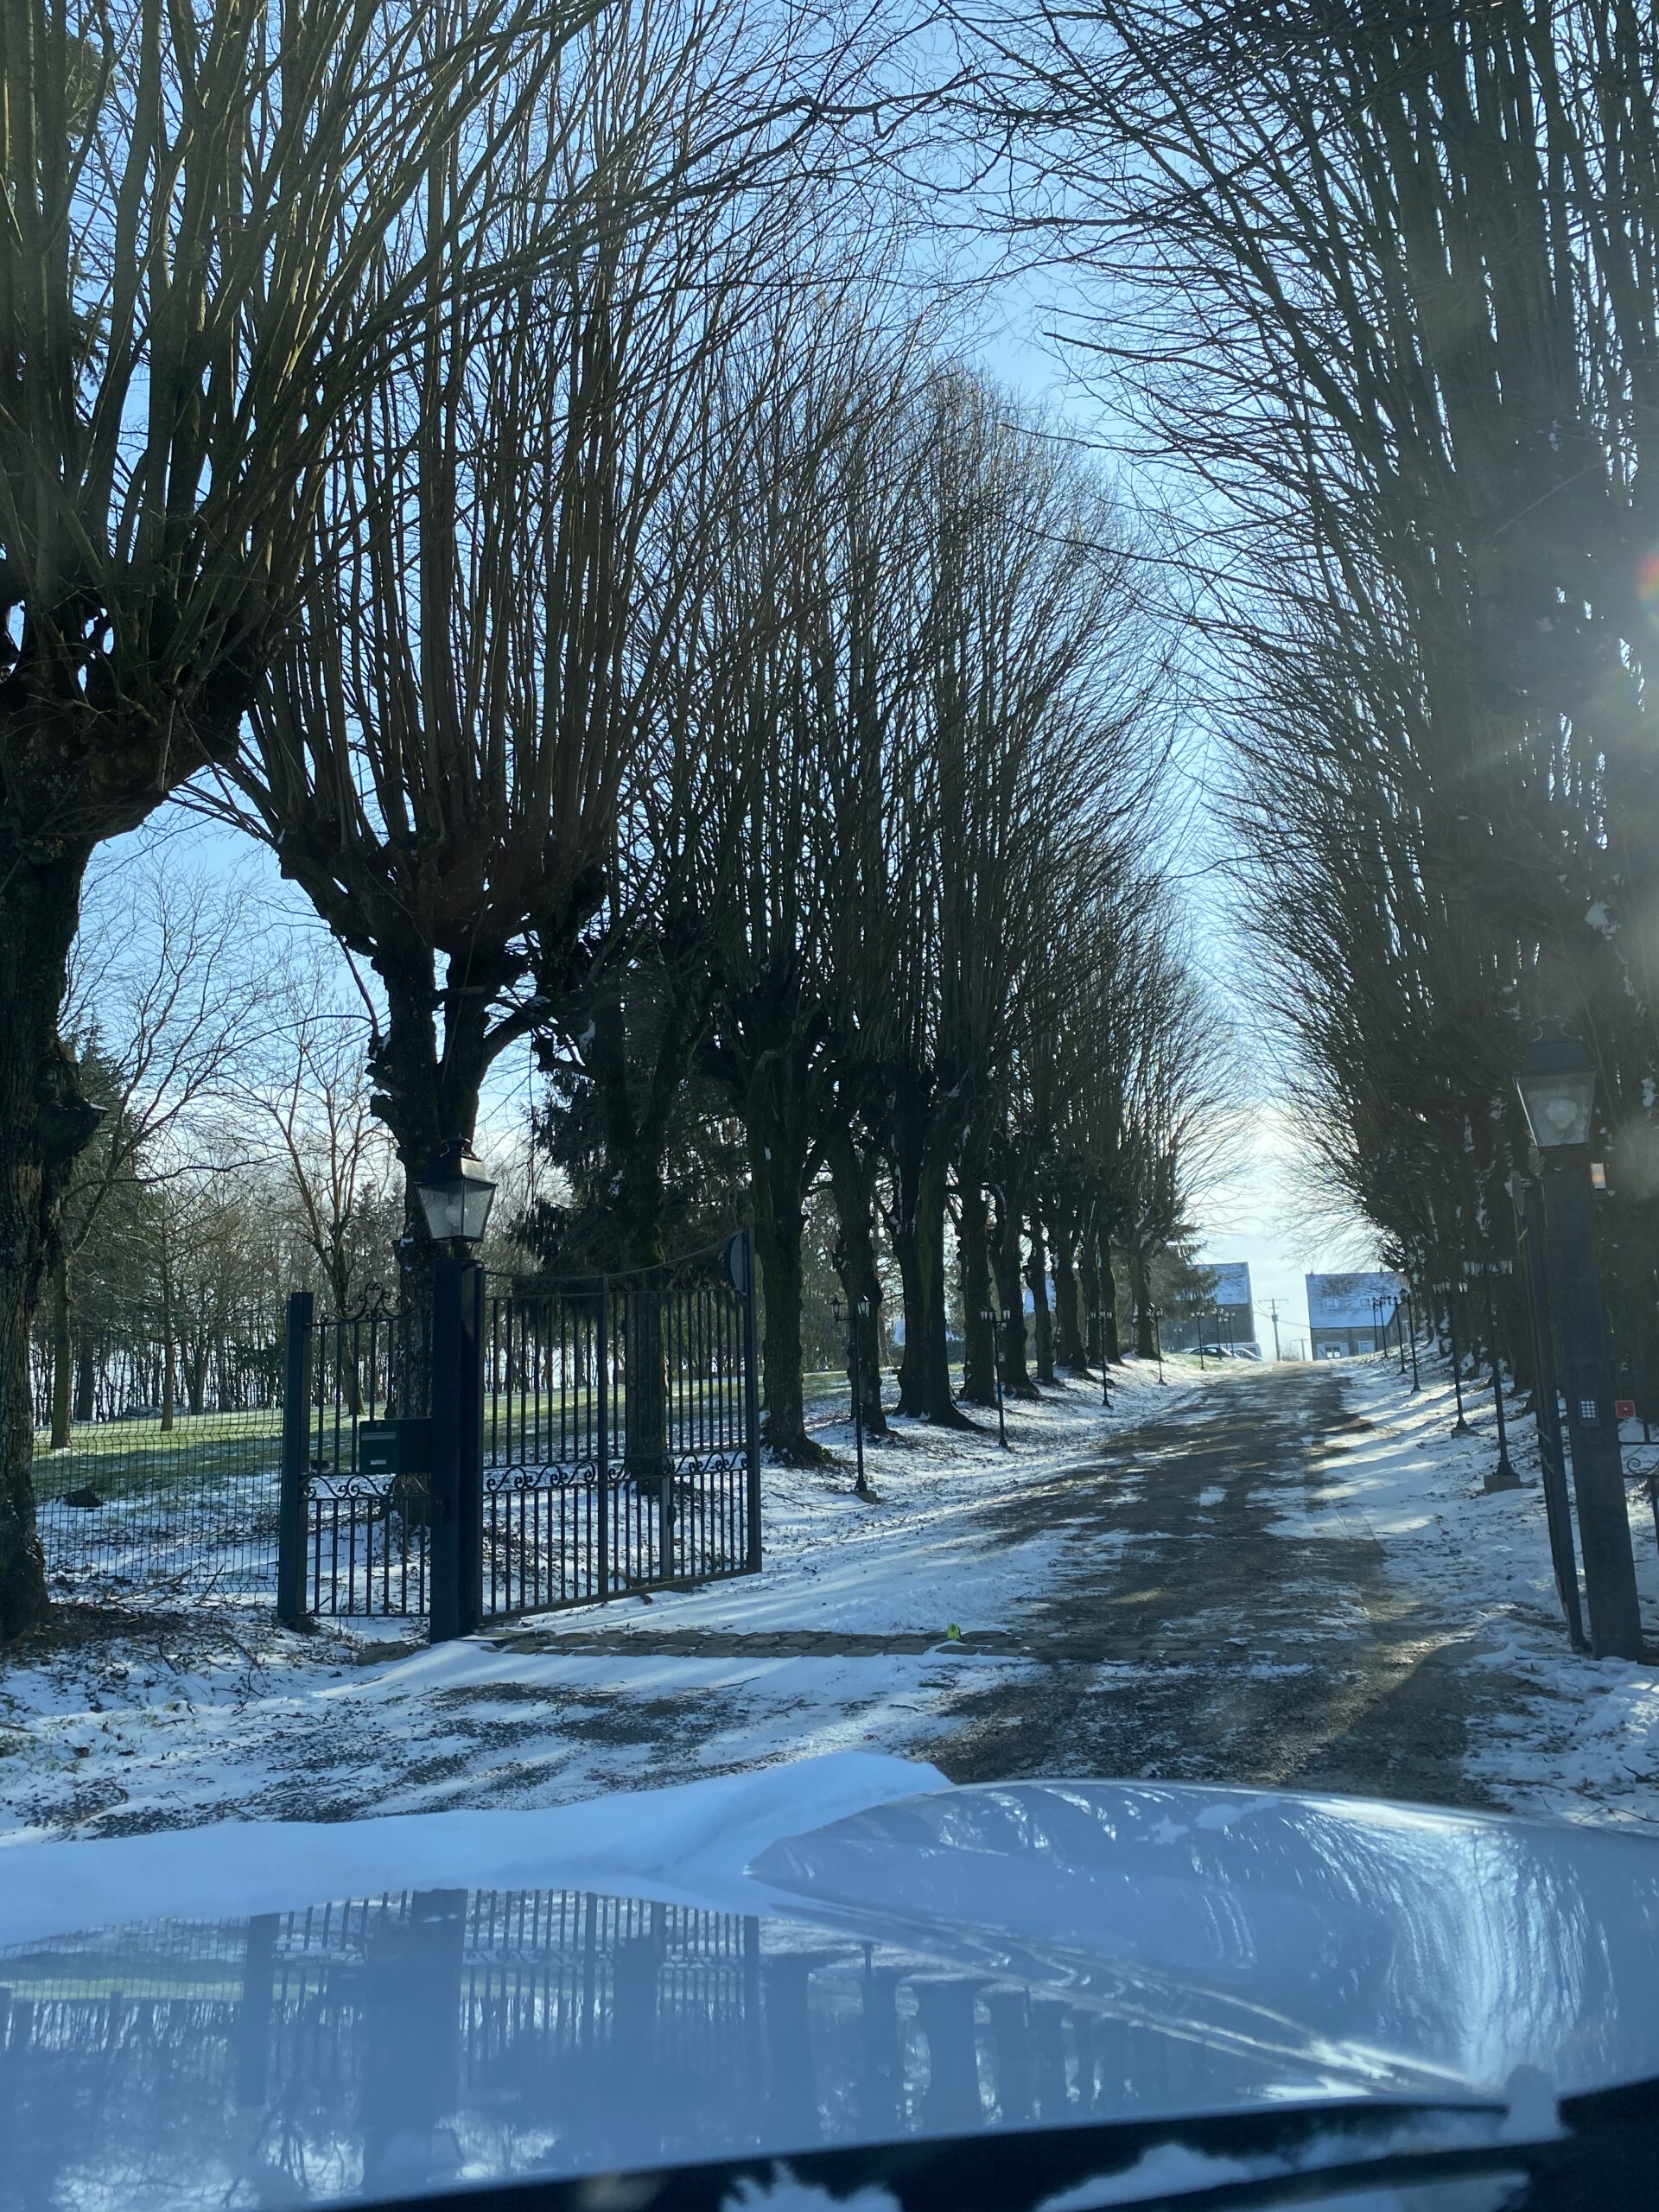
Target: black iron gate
pixel 522 1447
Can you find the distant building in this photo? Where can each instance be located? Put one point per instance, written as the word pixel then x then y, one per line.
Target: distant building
pixel 1228 1317
pixel 1349 1314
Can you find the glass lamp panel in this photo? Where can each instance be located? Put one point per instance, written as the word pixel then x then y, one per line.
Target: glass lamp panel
pixel 1558 1107
pixel 441 1203
pixel 476 1196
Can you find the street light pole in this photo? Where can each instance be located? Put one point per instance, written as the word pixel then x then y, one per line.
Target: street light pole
pixel 1105 1365
pixel 1528 1239
pixel 1449 1290
pixel 1001 1424
pixel 1557 1083
pixel 1156 1314
pixel 1503 1476
pixel 1411 1324
pixel 857 1310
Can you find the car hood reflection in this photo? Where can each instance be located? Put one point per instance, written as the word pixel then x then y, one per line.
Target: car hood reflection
pixel 1003 1957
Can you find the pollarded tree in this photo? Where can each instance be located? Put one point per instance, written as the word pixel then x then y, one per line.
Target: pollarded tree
pixel 496 594
pixel 195 202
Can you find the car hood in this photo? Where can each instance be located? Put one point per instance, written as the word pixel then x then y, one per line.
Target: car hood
pixel 974 1958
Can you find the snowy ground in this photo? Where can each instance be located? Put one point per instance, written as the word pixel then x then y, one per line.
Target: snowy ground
pixel 109 1729
pixel 1564 1735
pixel 1283 1576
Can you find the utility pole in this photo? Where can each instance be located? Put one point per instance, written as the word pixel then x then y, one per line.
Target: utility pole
pixel 1273 1315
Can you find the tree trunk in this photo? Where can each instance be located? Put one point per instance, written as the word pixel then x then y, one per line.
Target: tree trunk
pixel 85 1380
pixel 1037 1282
pixel 1113 1345
pixel 909 1137
pixel 62 1353
pixel 978 1320
pixel 195 1378
pixel 1005 1265
pixel 44 1123
pixel 1140 1287
pixel 850 1181
pixel 779 1146
pixel 1089 1271
pixel 1068 1350
pixel 939 1404
pixel 169 1357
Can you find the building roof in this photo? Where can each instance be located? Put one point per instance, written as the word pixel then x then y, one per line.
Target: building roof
pixel 1344 1301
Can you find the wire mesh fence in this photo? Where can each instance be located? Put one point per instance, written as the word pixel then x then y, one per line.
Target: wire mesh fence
pixel 133 1509
pixel 613 1448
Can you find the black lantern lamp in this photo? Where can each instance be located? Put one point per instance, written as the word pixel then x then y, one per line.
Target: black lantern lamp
pixel 457 1195
pixel 1557 1083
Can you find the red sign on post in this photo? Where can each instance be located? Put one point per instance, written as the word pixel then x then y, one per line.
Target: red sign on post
pixel 1623 1409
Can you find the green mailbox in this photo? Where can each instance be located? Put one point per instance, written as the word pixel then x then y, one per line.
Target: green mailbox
pixel 395 1447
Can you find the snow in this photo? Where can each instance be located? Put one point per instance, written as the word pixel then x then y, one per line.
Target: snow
pixel 219 1715
pixel 686 1845
pixel 1564 1735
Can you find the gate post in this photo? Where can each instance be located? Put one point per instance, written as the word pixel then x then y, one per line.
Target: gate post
pixel 469 1549
pixel 290 1507
pixel 457 1448
pixel 751 1408
pixel 602 1442
pixel 444 1595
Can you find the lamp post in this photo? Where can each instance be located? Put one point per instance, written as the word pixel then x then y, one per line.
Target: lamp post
pixel 1001 1423
pixel 1399 1327
pixel 1105 1365
pixel 1528 1243
pixel 860 1308
pixel 1503 1476
pixel 1448 1291
pixel 1155 1315
pixel 455 1196
pixel 1557 1083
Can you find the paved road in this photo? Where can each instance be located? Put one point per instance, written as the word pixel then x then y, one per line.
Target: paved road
pixel 1188 1632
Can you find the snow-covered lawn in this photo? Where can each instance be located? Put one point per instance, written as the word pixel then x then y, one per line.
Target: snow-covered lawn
pixel 121 1726
pixel 219 1714
pixel 1562 1734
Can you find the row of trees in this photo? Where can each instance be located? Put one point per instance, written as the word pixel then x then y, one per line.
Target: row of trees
pixel 479 453
pixel 1387 277
pixel 878 907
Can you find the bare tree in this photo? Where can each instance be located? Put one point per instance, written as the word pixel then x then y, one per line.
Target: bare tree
pixel 161 1008
pixel 490 611
pixel 314 1099
pixel 194 203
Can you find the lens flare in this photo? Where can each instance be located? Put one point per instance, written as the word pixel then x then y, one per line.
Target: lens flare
pixel 1647 583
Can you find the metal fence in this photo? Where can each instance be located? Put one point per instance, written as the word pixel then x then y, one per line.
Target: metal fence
pixel 604 1436
pixel 134 1510
pixel 320 2052
pixel 366 1537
